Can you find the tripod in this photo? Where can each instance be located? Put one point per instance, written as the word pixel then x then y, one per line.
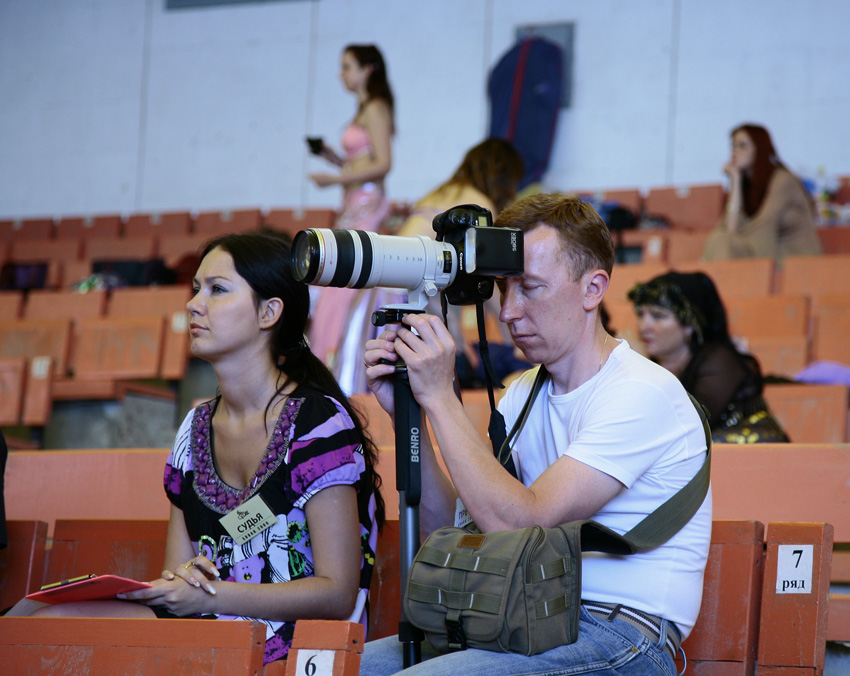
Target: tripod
pixel 408 439
pixel 408 436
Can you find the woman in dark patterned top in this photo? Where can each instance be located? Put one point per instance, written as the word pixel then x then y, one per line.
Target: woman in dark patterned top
pixel 273 480
pixel 683 326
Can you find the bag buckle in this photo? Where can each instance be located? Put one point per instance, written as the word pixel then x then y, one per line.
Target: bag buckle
pixel 455 634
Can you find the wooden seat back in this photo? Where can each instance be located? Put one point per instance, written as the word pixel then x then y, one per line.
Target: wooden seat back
pixel 12 379
pixel 695 207
pixel 37 338
pixel 795 599
pixel 175 223
pixel 137 248
pixel 738 277
pixel 385 590
pixel 64 304
pixel 117 348
pixel 168 302
pixel 290 221
pixel 770 316
pixel 83 228
pixel 724 640
pixel 213 223
pixel 22 562
pixel 831 327
pixel 133 548
pixel 625 275
pixel 11 305
pixel 39 646
pixel 783 356
pixel 815 276
pixel 685 247
pixel 811 413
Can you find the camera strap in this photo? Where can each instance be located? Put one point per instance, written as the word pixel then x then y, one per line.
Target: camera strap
pixel 496 428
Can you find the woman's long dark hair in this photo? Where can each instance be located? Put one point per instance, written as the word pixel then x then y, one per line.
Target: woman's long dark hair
pixel 262 260
pixel 378 85
pixel 766 162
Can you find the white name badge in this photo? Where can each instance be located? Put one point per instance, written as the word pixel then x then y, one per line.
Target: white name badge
pixel 462 517
pixel 248 520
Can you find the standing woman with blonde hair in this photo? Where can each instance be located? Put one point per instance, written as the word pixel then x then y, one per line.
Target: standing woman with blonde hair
pixel 367 142
pixel 768 211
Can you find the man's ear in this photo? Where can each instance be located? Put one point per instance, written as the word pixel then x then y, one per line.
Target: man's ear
pixel 596 284
pixel 270 312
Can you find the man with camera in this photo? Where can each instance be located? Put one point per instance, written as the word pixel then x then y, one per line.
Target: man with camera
pixel 610 437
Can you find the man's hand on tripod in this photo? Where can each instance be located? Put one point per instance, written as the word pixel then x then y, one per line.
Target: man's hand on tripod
pixel 428 349
pixel 379 375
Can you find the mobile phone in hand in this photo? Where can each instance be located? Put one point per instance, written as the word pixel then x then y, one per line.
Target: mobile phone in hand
pixel 317 145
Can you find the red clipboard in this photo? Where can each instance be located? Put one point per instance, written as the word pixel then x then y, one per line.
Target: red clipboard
pixel 93 588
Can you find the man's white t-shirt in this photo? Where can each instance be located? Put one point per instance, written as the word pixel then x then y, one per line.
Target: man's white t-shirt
pixel 634 421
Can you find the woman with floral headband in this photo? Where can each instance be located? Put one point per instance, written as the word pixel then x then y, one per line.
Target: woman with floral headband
pixel 682 323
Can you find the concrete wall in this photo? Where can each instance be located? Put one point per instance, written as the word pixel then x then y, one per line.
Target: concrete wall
pixel 122 106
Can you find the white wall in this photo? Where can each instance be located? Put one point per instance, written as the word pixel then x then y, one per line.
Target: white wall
pixel 120 106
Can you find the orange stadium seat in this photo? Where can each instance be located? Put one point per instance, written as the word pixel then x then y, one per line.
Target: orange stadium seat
pixel 175 223
pixel 782 356
pixel 117 348
pixel 290 221
pixel 224 222
pixel 685 247
pixel 737 277
pixel 816 275
pixel 64 304
pixel 22 562
pixel 168 302
pixel 139 248
pixel 35 228
pixel 831 320
pixel 835 240
pixel 32 338
pixel 768 316
pixel 11 305
pixel 630 199
pixel 696 207
pixel 624 276
pixel 83 228
pixel 810 413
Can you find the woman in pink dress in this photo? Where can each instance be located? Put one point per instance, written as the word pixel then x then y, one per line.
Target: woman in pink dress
pixel 367 142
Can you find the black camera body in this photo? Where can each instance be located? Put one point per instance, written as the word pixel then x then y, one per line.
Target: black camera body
pixel 464 261
pixel 484 252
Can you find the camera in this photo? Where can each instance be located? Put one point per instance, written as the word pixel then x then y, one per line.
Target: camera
pixel 468 254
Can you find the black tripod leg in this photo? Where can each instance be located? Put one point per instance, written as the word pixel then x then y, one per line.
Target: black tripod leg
pixel 408 425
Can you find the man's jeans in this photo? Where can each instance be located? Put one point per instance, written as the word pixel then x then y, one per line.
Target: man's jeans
pixel 603 647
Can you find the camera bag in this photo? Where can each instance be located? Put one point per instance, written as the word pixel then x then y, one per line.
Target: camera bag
pixel 519 591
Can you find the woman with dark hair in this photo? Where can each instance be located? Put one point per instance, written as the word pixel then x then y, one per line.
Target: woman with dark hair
pixel 271 481
pixel 682 323
pixel 367 141
pixel 768 211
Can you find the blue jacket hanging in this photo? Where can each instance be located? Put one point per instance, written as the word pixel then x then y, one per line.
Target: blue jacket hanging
pixel 525 93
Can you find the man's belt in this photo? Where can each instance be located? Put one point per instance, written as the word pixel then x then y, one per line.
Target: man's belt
pixel 648 625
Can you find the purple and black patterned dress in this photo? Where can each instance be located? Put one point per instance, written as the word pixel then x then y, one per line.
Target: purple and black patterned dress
pixel 314 445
